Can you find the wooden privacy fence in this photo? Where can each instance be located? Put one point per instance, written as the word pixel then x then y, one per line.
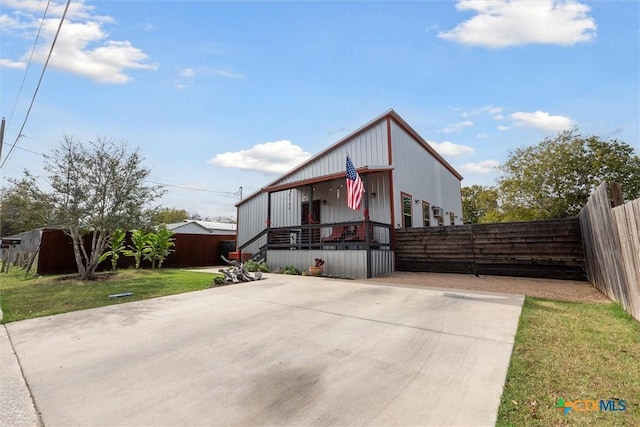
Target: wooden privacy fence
pixel 546 249
pixel 191 250
pixel 612 248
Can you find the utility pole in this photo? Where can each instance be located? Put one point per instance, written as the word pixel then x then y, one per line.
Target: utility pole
pixel 1 137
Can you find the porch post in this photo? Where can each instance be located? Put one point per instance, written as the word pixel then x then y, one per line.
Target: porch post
pixel 268 210
pixel 367 236
pixel 310 215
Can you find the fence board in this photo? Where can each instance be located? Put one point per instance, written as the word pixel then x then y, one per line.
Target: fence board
pixel 627 221
pixel 191 250
pixel 549 249
pixel 602 243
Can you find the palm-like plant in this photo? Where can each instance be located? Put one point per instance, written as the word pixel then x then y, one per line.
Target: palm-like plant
pixel 140 246
pixel 161 245
pixel 116 247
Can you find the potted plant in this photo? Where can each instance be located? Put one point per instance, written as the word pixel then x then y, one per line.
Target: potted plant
pixel 317 269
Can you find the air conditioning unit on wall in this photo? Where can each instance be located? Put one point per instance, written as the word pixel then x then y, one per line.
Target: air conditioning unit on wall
pixel 438 212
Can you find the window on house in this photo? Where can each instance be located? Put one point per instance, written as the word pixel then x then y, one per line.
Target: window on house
pixel 440 220
pixel 426 214
pixel 452 218
pixel 406 209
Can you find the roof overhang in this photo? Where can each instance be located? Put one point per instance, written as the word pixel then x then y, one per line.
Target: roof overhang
pixel 366 170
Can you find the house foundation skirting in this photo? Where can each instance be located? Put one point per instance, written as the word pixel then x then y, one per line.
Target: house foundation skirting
pixel 350 263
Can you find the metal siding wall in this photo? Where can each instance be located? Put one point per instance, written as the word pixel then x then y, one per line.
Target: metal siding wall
pixel 351 263
pixel 421 175
pixel 285 208
pixel 382 263
pixel 251 220
pixel 366 149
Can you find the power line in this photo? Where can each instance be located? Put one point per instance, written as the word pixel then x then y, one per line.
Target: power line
pixel 184 187
pixel 33 98
pixel 33 49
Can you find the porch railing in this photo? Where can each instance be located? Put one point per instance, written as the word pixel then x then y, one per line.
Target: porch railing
pixel 337 236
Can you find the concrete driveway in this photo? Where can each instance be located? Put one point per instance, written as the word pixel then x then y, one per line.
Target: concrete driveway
pixel 287 350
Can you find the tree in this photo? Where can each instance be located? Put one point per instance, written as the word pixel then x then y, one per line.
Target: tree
pixel 555 178
pixel 24 206
pixel 224 219
pixel 169 215
pixel 478 202
pixel 97 188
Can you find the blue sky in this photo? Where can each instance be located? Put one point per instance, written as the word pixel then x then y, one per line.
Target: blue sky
pixel 219 95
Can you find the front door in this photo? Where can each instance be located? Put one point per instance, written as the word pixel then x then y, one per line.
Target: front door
pixel 314 218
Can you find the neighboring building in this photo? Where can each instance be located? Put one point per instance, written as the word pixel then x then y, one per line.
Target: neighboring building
pixel 191 226
pixel 303 214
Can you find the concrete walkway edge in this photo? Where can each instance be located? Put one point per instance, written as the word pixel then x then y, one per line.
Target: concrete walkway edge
pixel 18 408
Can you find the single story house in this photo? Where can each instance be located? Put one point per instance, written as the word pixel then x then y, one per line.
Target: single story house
pixel 304 214
pixel 191 226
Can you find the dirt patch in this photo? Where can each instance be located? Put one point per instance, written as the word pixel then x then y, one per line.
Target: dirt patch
pixel 563 290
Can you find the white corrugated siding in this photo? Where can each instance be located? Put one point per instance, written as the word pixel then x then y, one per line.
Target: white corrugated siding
pixel 351 263
pixel 251 220
pixel 421 175
pixel 382 263
pixel 368 148
pixel 286 205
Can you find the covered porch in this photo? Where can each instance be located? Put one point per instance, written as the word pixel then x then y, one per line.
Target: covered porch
pixel 310 219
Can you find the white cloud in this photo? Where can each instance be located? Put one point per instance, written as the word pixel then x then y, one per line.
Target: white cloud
pixel 447 148
pixel 275 157
pixel 7 63
pixel 503 127
pixel 457 126
pixel 502 23
pixel 542 120
pixel 487 109
pixel 482 168
pixel 83 46
pixel 482 135
pixel 498 117
pixel 179 84
pixel 228 74
pixel 490 109
pixel 187 72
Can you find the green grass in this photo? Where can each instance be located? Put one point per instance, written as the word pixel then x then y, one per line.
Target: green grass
pixel 574 351
pixel 27 296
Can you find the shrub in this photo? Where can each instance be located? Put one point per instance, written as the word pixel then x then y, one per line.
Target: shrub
pixel 219 281
pixel 253 266
pixel 290 269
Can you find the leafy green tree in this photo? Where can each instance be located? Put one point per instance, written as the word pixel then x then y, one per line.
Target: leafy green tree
pixel 161 244
pixel 116 247
pixel 97 187
pixel 224 219
pixel 169 215
pixel 140 246
pixel 478 201
pixel 23 206
pixel 555 178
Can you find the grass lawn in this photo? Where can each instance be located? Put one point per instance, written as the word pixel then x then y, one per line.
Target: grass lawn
pixel 26 296
pixel 574 351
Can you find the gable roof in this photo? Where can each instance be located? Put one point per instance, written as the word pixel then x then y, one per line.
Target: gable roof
pixel 391 114
pixel 208 226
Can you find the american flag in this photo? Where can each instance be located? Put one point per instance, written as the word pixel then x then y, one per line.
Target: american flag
pixel 355 188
